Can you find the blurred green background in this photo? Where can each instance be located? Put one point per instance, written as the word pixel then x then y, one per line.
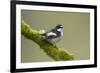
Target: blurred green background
pixel 76 37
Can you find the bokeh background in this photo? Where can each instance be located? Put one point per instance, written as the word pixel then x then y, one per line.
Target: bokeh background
pixel 76 37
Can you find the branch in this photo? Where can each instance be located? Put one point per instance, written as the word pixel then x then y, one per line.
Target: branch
pixel 49 48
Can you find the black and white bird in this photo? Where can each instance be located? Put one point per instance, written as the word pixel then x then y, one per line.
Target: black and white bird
pixel 55 34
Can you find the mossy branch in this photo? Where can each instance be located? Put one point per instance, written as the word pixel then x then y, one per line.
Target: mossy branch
pixel 49 48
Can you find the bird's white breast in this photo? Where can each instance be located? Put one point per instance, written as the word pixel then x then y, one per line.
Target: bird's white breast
pixel 60 30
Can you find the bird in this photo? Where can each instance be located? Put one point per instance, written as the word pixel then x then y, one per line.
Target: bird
pixel 55 34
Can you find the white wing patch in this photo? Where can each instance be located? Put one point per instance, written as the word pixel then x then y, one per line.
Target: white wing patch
pixel 51 34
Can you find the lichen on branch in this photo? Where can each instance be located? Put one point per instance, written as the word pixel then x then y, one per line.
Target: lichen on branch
pixel 49 48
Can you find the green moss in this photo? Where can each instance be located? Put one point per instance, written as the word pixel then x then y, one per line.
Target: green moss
pixel 49 48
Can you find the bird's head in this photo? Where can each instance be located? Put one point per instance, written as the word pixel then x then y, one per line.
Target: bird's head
pixel 59 26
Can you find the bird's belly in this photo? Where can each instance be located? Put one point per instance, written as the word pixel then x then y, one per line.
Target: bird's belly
pixel 55 40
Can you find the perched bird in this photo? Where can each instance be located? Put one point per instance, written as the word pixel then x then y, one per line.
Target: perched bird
pixel 54 35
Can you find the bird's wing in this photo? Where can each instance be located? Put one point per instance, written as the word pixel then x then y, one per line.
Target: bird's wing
pixel 51 34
